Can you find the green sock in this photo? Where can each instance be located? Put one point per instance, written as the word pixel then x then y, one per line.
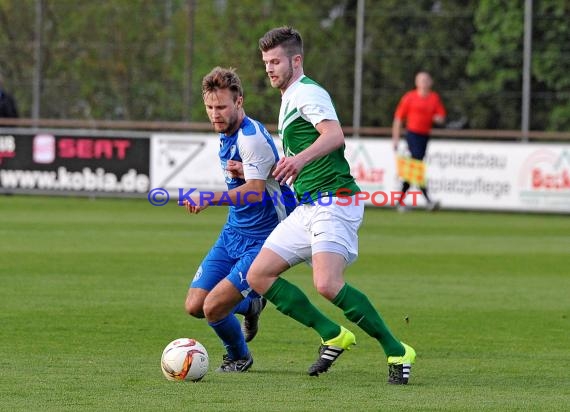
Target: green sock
pixel 291 301
pixel 358 309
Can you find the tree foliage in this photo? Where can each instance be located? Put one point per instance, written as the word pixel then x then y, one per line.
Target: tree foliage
pixel 495 64
pixel 144 59
pixel 551 63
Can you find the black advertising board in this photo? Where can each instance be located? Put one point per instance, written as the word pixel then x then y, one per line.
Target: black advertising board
pixel 56 162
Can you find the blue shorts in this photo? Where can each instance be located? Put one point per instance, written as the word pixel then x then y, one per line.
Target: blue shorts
pixel 417 144
pixel 229 258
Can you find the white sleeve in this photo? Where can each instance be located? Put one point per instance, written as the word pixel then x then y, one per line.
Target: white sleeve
pixel 256 155
pixel 316 105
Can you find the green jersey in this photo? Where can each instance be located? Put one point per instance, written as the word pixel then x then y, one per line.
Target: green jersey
pixel 303 105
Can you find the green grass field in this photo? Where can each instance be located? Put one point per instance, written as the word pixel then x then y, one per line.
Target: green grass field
pixel 92 290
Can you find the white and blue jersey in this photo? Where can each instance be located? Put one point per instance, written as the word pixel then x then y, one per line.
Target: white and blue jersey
pixel 248 223
pixel 252 145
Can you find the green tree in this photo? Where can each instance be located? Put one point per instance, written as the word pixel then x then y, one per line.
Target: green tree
pixel 551 66
pixel 240 23
pixel 495 65
pixel 403 38
pixel 139 59
pixel 16 50
pixel 109 60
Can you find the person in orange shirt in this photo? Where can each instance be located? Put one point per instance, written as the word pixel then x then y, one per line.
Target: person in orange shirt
pixel 419 109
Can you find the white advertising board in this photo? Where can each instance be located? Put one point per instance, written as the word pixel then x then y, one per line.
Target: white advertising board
pixel 475 175
pixel 185 161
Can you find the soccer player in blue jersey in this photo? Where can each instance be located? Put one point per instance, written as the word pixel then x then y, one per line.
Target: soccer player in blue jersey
pixel 257 202
pixel 323 229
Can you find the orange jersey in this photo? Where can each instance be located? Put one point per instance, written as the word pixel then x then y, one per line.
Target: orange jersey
pixel 418 111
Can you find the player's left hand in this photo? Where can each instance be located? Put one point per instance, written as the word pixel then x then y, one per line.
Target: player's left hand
pixel 439 119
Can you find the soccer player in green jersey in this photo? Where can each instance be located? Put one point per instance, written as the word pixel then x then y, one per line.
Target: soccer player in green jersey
pixel 322 230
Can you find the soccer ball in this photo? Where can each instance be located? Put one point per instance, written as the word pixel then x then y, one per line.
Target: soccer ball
pixel 184 359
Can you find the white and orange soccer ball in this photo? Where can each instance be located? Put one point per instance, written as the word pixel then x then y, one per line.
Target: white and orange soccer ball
pixel 184 359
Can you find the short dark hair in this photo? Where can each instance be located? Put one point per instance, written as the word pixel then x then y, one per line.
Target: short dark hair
pixel 286 37
pixel 222 78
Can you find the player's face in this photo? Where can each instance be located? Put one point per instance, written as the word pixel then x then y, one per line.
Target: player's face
pixel 279 67
pixel 222 111
pixel 423 81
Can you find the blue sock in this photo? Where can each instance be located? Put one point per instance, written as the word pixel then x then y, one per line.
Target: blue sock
pixel 229 331
pixel 243 307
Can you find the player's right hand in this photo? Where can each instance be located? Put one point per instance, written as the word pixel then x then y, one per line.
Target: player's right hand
pixel 287 169
pixel 235 169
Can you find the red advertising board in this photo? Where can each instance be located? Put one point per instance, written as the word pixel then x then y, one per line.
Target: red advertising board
pixel 56 162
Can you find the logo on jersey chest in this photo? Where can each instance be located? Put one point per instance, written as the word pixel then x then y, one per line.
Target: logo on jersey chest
pixel 233 151
pixel 232 154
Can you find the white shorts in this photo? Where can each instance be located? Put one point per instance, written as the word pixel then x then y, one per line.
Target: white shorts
pixel 322 227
